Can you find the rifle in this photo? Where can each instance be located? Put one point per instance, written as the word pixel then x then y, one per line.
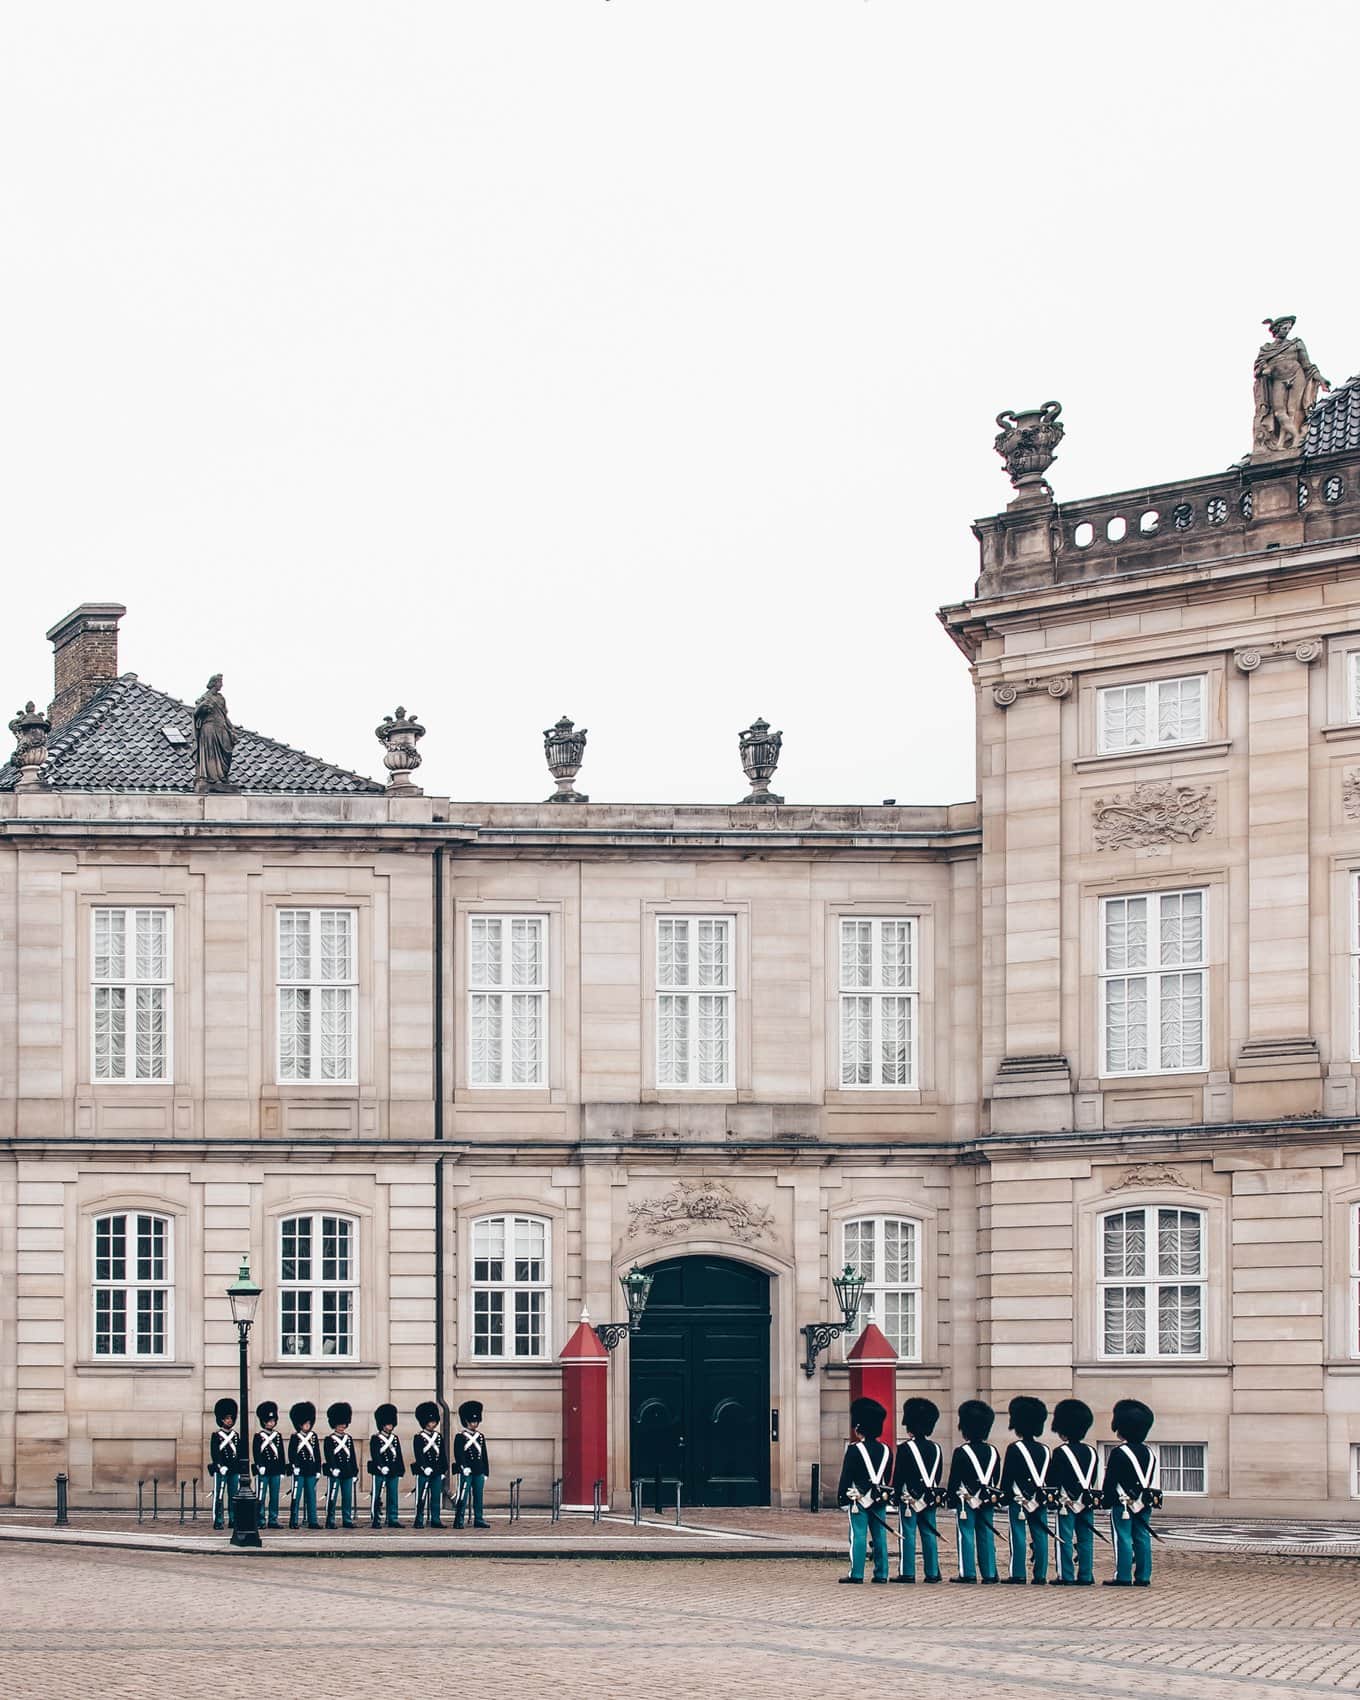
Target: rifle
pixel 1075 1508
pixel 1036 1517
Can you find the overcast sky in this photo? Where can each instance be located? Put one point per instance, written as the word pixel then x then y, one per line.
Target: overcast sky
pixel 633 359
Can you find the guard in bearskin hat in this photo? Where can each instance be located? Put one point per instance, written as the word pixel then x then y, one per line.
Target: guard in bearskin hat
pixel 1075 1476
pixel 267 1456
pixel 918 1488
pixel 304 1460
pixel 974 1491
pixel 866 1488
pixel 385 1465
pixel 1133 1491
pixel 225 1462
pixel 1025 1489
pixel 341 1464
pixel 429 1465
pixel 472 1463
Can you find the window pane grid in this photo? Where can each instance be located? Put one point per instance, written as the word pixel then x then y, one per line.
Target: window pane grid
pixel 317 995
pixel 878 1002
pixel 886 1251
pixel 130 994
pixel 132 1288
pixel 694 1002
pixel 318 1286
pixel 1157 711
pixel 511 1287
pixel 1152 1283
pixel 1153 1021
pixel 507 1000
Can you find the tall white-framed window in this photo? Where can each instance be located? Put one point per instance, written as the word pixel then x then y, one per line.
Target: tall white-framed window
pixel 511 1287
pixel 886 1250
pixel 695 993
pixel 134 1292
pixel 1355 1280
pixel 318 991
pixel 1355 966
pixel 1152 713
pixel 878 1015
pixel 131 991
pixel 1183 1464
pixel 507 1000
pixel 1151 1282
pixel 1355 1472
pixel 318 1286
pixel 1153 982
pixel 1353 685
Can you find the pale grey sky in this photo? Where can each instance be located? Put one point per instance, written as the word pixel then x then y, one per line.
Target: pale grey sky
pixel 634 359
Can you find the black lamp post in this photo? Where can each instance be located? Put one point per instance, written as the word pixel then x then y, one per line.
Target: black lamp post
pixel 244 1295
pixel 636 1284
pixel 849 1288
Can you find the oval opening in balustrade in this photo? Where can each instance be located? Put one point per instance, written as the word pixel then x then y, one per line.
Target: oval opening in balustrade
pixel 1116 528
pixel 1150 523
pixel 1085 535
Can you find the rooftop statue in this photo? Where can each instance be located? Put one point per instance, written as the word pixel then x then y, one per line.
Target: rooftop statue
pixel 214 739
pixel 1287 385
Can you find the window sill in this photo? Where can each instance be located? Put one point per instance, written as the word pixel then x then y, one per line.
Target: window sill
pixel 510 1366
pixel 689 1095
pixel 130 1366
pixel 1342 1366
pixel 503 1096
pixel 318 1366
pixel 1163 1077
pixel 887 1095
pixel 1342 729
pixel 1156 752
pixel 1153 1366
pixel 904 1366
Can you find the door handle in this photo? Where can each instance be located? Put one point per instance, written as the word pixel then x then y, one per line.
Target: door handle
pixel 680 1442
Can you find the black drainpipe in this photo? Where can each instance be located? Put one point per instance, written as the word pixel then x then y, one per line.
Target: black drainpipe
pixel 438 876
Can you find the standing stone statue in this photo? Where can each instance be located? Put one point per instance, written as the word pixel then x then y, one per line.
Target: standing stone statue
pixel 1287 385
pixel 214 739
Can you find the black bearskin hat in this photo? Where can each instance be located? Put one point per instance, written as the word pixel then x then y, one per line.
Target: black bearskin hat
pixel 470 1411
pixel 427 1412
pixel 303 1412
pixel 1132 1420
pixel 975 1419
pixel 919 1416
pixel 224 1409
pixel 385 1416
pixel 267 1412
pixel 868 1416
pixel 339 1412
pixel 1027 1416
pixel 1072 1418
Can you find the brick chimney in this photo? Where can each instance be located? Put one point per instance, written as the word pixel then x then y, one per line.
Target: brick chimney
pixel 85 657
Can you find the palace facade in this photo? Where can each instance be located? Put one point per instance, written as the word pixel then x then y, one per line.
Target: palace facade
pixel 1069 1072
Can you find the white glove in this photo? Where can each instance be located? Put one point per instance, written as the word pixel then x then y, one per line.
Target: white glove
pixel 466 1470
pixel 384 1470
pixel 221 1469
pixel 336 1475
pixel 427 1472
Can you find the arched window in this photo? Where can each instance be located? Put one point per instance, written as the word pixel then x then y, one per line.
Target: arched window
pixel 133 1286
pixel 511 1287
pixel 1151 1282
pixel 318 1286
pixel 886 1250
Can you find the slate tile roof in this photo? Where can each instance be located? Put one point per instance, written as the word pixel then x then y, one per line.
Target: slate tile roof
pixel 117 743
pixel 1334 420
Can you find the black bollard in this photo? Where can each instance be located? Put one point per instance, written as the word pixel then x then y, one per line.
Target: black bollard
pixel 815 1498
pixel 61 1501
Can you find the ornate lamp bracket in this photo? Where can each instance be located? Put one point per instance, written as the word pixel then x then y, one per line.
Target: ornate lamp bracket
pixel 849 1290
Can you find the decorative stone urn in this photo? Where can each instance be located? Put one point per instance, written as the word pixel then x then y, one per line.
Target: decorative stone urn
pixel 759 757
pixel 31 730
pixel 564 750
pixel 399 734
pixel 1028 443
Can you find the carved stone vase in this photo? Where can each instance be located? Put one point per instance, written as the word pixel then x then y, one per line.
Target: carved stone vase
pixel 31 729
pixel 564 750
pixel 759 758
pixel 1028 444
pixel 399 734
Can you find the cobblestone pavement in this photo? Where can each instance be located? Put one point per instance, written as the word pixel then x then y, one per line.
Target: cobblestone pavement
pixel 117 1625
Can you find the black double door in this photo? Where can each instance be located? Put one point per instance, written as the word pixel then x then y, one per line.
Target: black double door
pixel 699 1394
